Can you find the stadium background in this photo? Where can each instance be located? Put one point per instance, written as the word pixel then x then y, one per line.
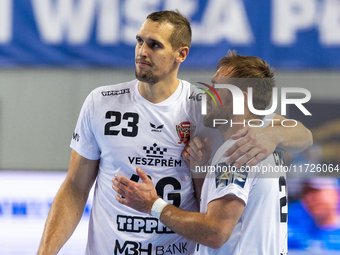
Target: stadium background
pixel 54 52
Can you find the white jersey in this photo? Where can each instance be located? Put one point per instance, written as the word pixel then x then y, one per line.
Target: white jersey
pixel 262 228
pixel 124 130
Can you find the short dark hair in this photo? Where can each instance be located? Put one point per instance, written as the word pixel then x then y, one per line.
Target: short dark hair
pixel 251 67
pixel 181 34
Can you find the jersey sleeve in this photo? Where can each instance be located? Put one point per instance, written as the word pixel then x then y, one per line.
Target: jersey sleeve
pixel 238 183
pixel 83 139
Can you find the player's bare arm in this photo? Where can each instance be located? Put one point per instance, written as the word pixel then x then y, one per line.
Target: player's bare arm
pixel 68 205
pixel 258 143
pixel 197 153
pixel 212 229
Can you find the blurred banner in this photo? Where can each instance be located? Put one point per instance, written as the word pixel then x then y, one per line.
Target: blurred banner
pixel 101 33
pixel 25 200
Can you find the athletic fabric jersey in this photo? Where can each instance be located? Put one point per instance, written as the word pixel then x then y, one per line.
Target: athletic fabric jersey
pixel 124 130
pixel 262 228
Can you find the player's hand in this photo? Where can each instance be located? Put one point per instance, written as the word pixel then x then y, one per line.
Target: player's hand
pixel 255 144
pixel 139 196
pixel 197 152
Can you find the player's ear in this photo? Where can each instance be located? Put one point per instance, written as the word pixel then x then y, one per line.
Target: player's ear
pixel 182 54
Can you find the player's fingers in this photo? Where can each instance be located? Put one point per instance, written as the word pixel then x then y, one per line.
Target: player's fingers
pixel 122 179
pixel 247 157
pixel 240 133
pixel 120 199
pixel 116 186
pixel 256 159
pixel 186 151
pixel 235 147
pixel 207 145
pixel 197 142
pixel 263 153
pixel 195 155
pixel 185 156
pixel 142 175
pixel 243 149
pixel 195 152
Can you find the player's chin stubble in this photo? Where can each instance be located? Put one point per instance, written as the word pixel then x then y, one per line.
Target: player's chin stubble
pixel 147 77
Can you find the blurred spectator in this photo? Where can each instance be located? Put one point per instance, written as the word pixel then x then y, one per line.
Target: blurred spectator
pixel 314 222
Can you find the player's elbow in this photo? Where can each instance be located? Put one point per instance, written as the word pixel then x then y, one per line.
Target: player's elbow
pixel 308 141
pixel 217 239
pixel 310 138
pixel 214 245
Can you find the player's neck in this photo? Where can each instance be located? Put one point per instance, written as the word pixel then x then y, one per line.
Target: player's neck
pixel 158 92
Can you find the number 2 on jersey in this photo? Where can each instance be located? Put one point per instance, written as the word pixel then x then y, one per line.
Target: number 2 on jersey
pixel 132 129
pixel 283 199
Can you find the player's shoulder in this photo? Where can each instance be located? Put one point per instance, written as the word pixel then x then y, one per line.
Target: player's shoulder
pixel 187 86
pixel 192 88
pixel 219 155
pixel 114 90
pixel 185 83
pixel 227 144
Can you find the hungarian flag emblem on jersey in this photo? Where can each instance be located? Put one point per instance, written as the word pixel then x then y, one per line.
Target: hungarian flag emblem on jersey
pixel 184 129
